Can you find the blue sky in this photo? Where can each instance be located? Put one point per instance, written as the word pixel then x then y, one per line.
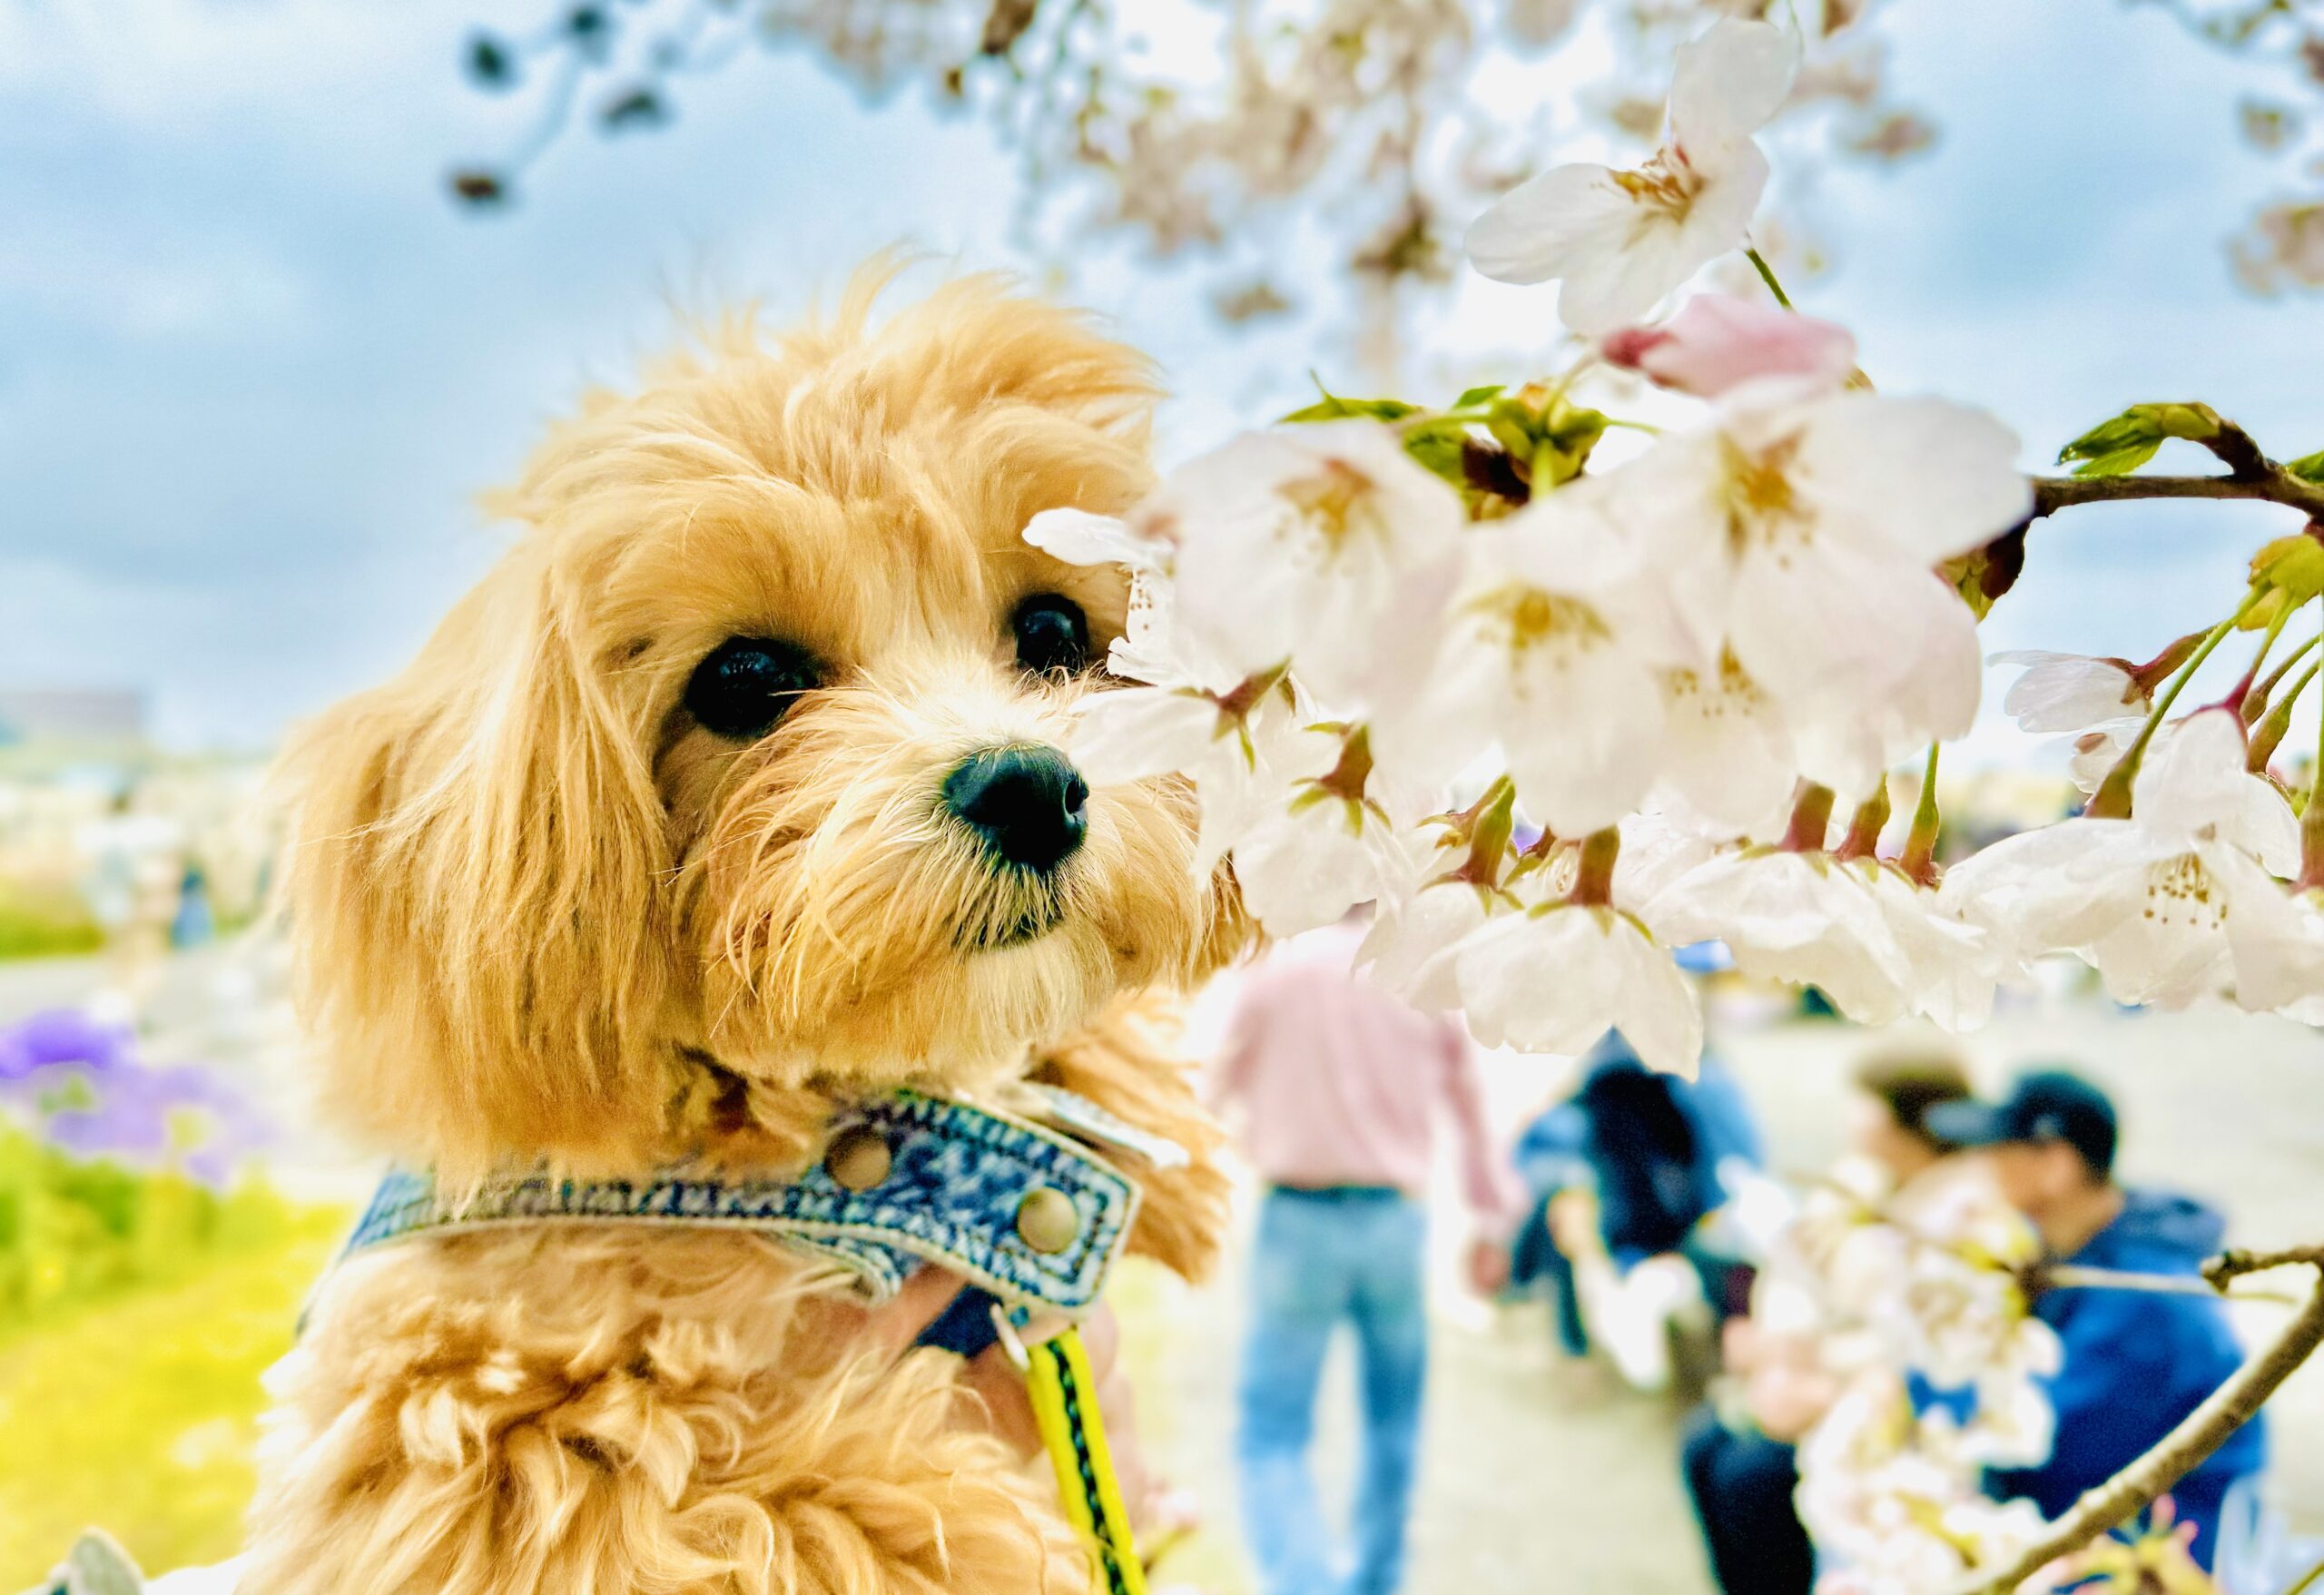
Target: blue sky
pixel 253 367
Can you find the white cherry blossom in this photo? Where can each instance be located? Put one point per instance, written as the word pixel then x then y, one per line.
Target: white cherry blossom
pixel 1324 544
pixel 1557 976
pixel 1153 648
pixel 1800 916
pixel 1848 744
pixel 2145 900
pixel 1304 867
pixel 1244 749
pixel 2094 752
pixel 1659 845
pixel 1325 841
pixel 1460 861
pixel 1726 755
pixel 1920 1280
pixel 1134 733
pixel 1078 537
pixel 2275 936
pixel 1956 966
pixel 1251 779
pixel 1858 930
pixel 1240 740
pixel 1190 716
pixel 1551 646
pixel 1619 240
pixel 1413 942
pixel 1798 533
pixel 2071 692
pixel 1895 1508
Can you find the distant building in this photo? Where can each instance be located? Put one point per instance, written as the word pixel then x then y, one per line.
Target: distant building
pixel 83 714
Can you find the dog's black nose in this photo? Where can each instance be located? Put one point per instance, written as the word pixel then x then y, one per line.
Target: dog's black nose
pixel 1027 802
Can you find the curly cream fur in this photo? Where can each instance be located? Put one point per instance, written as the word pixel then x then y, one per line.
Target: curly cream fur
pixel 541 914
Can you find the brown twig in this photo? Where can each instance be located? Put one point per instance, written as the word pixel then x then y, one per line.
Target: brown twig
pixel 2243 458
pixel 2072 1276
pixel 2276 485
pixel 2203 1430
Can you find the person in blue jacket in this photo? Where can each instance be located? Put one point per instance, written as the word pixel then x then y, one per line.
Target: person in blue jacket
pixel 2136 1362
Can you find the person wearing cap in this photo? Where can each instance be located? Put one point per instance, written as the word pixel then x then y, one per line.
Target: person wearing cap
pixel 2136 1362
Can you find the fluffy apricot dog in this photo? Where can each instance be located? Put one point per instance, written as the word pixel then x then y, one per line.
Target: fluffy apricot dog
pixel 730 796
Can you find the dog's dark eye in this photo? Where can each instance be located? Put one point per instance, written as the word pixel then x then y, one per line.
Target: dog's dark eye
pixel 743 685
pixel 1052 633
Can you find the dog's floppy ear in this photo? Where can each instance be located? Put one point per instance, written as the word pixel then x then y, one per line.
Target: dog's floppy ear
pixel 473 886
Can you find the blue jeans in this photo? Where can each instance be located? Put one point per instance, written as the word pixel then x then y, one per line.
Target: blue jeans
pixel 1352 1255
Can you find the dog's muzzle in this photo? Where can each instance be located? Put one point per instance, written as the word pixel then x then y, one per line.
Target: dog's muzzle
pixel 1027 802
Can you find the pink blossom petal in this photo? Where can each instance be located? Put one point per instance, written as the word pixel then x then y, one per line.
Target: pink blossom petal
pixel 1717 341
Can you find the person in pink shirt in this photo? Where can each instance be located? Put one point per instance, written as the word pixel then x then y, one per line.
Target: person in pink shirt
pixel 1339 1092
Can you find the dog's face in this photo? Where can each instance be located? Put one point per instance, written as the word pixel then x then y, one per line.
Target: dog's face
pixel 748 755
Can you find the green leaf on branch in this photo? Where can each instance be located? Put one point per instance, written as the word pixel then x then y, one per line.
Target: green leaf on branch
pixel 1490 391
pixel 2118 447
pixel 2115 462
pixel 1333 407
pixel 2307 467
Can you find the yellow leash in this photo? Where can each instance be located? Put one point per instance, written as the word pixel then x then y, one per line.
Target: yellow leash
pixel 1064 1395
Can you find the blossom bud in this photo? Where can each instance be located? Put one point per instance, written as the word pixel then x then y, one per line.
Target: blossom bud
pixel 1717 341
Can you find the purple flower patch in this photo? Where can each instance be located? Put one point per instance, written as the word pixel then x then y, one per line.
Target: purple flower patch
pixel 86 1091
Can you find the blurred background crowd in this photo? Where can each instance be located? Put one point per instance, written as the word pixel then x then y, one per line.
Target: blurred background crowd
pixel 286 282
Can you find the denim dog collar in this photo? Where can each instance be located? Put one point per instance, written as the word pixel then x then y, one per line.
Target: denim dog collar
pixel 1025 1213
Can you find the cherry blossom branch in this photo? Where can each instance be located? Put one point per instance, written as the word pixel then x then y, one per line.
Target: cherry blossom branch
pixel 2276 485
pixel 2202 1432
pixel 2116 448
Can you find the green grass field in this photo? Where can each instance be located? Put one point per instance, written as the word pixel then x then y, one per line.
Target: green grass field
pixel 137 1310
pixel 139 1414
